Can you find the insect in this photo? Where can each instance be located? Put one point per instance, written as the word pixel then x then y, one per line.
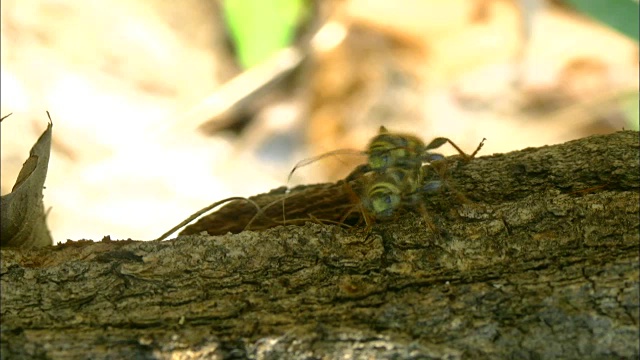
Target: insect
pixel 387 191
pixel 324 203
pixel 394 175
pixel 204 210
pixel 400 170
pixel 388 149
pixel 405 151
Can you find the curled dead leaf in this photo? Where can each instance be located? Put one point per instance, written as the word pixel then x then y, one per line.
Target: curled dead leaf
pixel 22 216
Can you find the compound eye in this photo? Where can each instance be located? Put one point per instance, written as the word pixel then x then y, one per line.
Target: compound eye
pixel 386 159
pixel 431 157
pixel 432 186
pixel 385 204
pixel 379 160
pixel 381 203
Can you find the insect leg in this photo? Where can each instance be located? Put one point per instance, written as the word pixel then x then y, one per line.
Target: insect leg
pixel 440 170
pixel 478 148
pixel 439 141
pixel 427 219
pixel 355 199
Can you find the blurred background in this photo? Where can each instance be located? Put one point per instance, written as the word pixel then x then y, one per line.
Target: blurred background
pixel 161 107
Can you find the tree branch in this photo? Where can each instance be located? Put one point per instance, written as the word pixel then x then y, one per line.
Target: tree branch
pixel 542 263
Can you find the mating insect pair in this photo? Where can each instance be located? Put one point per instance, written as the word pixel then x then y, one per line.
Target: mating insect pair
pixel 399 171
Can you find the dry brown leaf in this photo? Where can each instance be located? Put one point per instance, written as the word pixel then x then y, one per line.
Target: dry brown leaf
pixel 22 216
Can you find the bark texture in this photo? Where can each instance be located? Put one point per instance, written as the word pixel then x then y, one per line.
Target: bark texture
pixel 542 263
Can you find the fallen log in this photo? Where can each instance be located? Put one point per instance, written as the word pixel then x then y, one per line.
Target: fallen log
pixel 542 262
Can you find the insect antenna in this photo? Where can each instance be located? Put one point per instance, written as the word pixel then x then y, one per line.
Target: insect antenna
pixel 309 161
pixel 204 210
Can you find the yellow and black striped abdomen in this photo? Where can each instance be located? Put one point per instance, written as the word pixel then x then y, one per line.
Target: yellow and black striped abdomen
pixel 386 191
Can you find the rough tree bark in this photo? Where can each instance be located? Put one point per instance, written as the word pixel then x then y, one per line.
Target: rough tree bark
pixel 542 263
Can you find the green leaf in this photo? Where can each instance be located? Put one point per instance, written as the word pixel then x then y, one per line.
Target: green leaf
pixel 621 15
pixel 631 110
pixel 261 28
